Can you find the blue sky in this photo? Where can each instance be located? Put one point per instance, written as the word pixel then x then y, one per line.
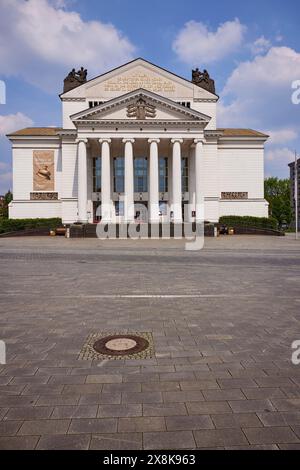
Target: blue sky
pixel 251 49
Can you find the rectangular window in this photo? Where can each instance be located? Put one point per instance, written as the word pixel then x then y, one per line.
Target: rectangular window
pixel 140 175
pixel 187 104
pixel 163 175
pixel 119 175
pixel 185 175
pixel 119 208
pixel 96 175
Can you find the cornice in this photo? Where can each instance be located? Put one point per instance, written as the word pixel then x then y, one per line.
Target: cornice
pixel 136 123
pixel 73 99
pixel 205 100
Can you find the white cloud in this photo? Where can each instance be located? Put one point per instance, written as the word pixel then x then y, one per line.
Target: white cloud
pixel 277 69
pixel 258 95
pixel 281 136
pixel 14 122
pixel 284 155
pixel 260 46
pixel 195 44
pixel 258 92
pixel 41 42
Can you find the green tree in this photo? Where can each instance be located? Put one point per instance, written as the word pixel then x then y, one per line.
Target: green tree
pixel 277 193
pixel 4 209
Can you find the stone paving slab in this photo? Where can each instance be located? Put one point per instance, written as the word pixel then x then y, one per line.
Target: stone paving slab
pixel 222 321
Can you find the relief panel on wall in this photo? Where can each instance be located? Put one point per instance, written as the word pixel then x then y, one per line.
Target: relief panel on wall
pixel 43 170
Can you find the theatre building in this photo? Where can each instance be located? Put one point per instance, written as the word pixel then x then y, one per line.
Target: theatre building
pixel 137 143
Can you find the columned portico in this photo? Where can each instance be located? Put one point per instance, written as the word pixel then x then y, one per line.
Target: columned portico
pixel 128 180
pixel 106 203
pixel 153 185
pixel 82 180
pixel 176 180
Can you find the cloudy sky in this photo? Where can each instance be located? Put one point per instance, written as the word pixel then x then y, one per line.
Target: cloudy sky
pixel 252 50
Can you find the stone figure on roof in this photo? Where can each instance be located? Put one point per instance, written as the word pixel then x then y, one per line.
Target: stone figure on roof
pixel 203 80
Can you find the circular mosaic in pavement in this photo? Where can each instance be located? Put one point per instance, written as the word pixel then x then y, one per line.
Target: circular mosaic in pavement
pixel 119 345
pixel 106 345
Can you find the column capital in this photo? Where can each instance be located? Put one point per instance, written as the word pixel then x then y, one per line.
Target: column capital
pixel 153 140
pixel 195 142
pixel 128 139
pixel 105 139
pixel 81 139
pixel 177 139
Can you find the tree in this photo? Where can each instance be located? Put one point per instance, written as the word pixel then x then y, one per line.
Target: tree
pixel 278 195
pixel 4 209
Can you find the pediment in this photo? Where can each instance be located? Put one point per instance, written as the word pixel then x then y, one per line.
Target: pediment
pixel 140 105
pixel 134 75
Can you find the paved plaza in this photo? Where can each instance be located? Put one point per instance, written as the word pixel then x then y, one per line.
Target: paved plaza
pixel 222 321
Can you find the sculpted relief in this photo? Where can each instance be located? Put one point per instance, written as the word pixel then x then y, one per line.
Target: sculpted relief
pixel 141 110
pixel 43 170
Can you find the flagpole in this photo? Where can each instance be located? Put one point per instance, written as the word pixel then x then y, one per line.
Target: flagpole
pixel 296 196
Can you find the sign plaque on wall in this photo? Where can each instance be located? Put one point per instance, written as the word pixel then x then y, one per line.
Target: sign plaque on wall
pixel 43 196
pixel 234 195
pixel 43 170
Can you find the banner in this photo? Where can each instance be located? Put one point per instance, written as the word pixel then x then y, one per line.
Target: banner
pixel 43 170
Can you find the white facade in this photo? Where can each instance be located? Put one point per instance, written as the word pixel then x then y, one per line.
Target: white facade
pixel 174 156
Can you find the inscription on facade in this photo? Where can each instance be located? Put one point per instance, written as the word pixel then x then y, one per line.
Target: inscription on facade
pixel 234 195
pixel 43 196
pixel 140 80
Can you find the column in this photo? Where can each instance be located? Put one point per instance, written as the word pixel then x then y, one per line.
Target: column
pixel 199 180
pixel 128 180
pixel 170 197
pixel 176 180
pixel 82 181
pixel 153 184
pixel 192 184
pixel 106 209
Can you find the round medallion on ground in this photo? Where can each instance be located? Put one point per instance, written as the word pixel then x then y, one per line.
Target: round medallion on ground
pixel 118 345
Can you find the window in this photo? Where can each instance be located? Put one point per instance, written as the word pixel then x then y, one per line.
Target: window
pixel 119 175
pixel 163 175
pixel 185 174
pixel 187 104
pixel 96 175
pixel 119 208
pixel 140 175
pixel 92 104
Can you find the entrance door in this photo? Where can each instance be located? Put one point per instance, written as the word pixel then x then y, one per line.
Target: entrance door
pixel 96 211
pixel 141 211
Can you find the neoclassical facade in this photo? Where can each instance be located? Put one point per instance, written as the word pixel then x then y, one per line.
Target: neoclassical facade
pixel 138 143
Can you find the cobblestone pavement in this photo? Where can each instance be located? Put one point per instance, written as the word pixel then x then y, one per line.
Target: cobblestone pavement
pixel 222 319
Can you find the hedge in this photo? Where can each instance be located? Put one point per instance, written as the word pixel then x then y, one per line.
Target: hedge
pixel 248 221
pixel 14 225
